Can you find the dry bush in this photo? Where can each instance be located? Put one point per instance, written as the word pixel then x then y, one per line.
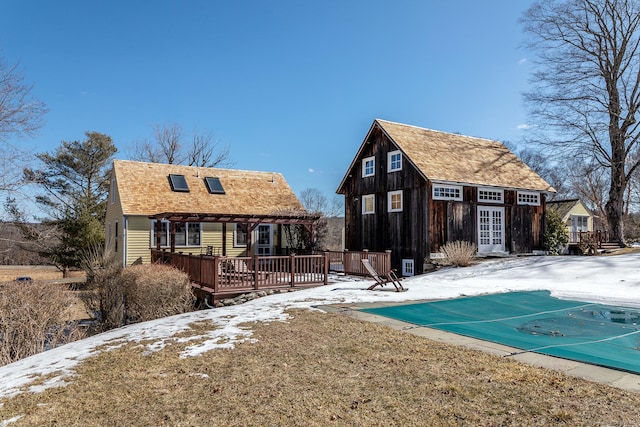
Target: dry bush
pixel 138 293
pixel 459 253
pixel 153 291
pixel 104 295
pixel 33 318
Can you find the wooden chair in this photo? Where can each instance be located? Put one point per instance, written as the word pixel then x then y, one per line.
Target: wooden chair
pixel 383 279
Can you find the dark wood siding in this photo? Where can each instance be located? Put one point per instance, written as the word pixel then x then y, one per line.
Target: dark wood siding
pixel 424 225
pixel 404 233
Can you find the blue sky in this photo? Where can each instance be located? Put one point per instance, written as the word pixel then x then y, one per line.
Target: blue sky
pixel 289 86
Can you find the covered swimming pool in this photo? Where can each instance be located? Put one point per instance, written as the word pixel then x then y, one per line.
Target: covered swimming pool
pixel 535 322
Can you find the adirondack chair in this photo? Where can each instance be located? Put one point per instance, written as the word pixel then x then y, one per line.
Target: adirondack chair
pixel 383 279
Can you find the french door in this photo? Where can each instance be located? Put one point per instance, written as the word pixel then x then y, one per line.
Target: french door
pixel 264 243
pixel 490 229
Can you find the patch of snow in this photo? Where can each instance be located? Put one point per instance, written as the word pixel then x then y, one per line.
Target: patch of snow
pixel 612 280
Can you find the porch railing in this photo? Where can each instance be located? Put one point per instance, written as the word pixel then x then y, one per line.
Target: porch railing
pixel 597 236
pixel 219 275
pixel 349 262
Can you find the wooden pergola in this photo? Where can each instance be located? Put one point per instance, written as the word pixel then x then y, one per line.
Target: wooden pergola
pixel 248 222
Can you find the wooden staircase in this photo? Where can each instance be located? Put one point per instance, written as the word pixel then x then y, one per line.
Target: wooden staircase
pixel 607 247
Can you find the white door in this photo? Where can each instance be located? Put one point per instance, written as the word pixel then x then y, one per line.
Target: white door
pixel 265 236
pixel 490 229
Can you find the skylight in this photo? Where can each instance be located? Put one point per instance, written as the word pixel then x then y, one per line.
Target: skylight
pixel 214 185
pixel 178 183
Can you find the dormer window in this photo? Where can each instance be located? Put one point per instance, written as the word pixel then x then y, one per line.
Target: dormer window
pixel 178 183
pixel 214 186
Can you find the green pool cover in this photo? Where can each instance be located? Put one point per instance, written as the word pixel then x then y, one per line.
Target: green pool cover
pixel 536 322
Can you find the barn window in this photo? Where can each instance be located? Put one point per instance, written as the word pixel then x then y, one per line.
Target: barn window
pixel 490 195
pixel 369 204
pixel 528 198
pixel 368 166
pixel 187 234
pixel 447 192
pixel 394 161
pixel 395 201
pixel 178 183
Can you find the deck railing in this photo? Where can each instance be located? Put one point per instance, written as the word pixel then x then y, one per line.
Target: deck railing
pixel 597 236
pixel 220 275
pixel 349 262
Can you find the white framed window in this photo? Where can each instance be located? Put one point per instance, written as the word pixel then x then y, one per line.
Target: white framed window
pixel 408 268
pixel 368 166
pixel 528 198
pixel 368 204
pixel 394 201
pixel 187 234
pixel 239 235
pixel 394 161
pixel 490 195
pixel 446 192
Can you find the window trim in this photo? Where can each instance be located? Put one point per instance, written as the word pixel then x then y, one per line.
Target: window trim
pixel 390 195
pixel 499 191
pixel 459 188
pixel 235 237
pixel 527 194
pixel 168 235
pixel 390 155
pixel 366 197
pixel 364 166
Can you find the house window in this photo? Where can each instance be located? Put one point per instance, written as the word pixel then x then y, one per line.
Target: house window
pixel 447 192
pixel 369 204
pixel 240 236
pixel 395 201
pixel 394 161
pixel 527 198
pixel 187 234
pixel 490 195
pixel 368 166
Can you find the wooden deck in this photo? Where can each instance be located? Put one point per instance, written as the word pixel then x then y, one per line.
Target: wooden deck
pixel 218 277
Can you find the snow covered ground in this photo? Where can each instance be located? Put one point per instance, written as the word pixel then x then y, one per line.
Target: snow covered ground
pixel 611 280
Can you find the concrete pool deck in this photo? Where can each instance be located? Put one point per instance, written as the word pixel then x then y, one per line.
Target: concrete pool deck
pixel 612 377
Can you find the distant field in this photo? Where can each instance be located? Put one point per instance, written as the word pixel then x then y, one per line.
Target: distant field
pixel 36 272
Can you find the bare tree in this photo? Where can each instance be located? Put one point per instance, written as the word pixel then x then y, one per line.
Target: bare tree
pixel 168 146
pixel 21 115
pixel 586 91
pixel 206 151
pixel 314 201
pixel 20 112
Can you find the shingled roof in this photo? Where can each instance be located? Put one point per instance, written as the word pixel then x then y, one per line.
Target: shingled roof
pixel 453 158
pixel 144 189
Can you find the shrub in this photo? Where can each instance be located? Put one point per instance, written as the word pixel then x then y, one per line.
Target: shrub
pixel 459 253
pixel 138 293
pixel 555 234
pixel 155 290
pixel 34 317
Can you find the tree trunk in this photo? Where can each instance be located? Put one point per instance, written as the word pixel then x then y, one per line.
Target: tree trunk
pixel 615 205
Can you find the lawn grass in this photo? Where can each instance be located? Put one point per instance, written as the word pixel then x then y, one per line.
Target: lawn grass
pixel 320 369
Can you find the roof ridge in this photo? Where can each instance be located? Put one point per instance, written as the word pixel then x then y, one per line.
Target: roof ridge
pixel 439 131
pixel 196 167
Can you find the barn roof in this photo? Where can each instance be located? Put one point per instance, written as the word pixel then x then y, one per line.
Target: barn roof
pixel 145 189
pixel 452 158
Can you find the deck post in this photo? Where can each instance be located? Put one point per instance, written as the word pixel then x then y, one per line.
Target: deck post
pixel 216 274
pixel 292 266
pixel 256 272
pixel 326 268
